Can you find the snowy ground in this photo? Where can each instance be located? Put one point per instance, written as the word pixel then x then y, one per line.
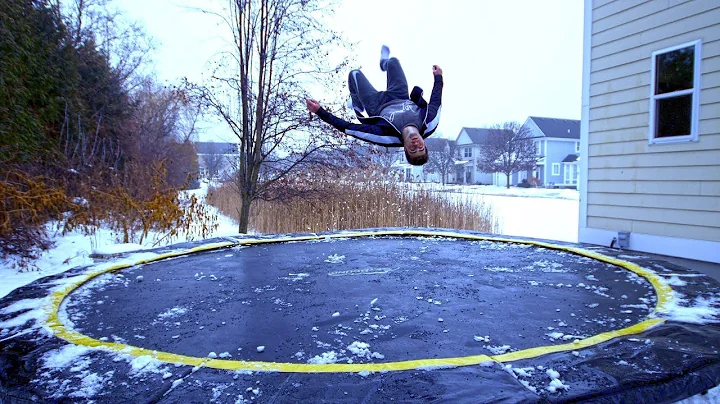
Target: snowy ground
pixel 542 213
pixel 550 214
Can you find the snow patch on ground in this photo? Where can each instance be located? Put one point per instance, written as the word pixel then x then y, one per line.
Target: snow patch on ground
pixel 335 259
pixel 172 313
pixel 698 310
pixel 324 358
pixel 117 248
pixel 63 357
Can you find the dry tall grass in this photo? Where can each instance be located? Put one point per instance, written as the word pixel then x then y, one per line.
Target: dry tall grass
pixel 354 202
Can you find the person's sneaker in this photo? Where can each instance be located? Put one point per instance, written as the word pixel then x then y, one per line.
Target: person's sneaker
pixel 384 56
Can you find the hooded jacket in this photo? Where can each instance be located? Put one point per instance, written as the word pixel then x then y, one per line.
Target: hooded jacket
pixel 380 131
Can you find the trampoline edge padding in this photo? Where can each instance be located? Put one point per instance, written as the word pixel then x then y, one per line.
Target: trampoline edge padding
pixel 663 292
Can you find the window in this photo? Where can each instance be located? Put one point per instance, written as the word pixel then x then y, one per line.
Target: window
pixel 555 168
pixel 467 152
pixel 675 94
pixel 538 146
pixel 571 173
pixel 577 147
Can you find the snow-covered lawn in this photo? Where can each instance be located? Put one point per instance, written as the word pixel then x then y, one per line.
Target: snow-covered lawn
pixel 502 191
pixel 550 214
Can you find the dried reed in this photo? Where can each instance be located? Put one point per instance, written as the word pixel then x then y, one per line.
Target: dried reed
pixel 356 202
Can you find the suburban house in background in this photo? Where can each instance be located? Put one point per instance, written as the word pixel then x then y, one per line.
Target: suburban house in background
pixel 650 166
pixel 215 159
pixel 440 150
pixel 469 143
pixel 558 146
pixel 430 172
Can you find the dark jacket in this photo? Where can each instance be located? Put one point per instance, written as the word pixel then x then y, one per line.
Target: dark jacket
pixel 378 130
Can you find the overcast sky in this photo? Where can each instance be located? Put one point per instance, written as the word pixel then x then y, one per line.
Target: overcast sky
pixel 502 59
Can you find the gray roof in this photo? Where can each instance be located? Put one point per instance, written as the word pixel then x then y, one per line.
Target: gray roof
pixel 216 148
pixel 558 128
pixel 437 144
pixel 477 135
pixel 571 158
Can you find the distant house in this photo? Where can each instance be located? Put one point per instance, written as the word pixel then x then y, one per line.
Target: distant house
pixel 406 171
pixel 442 153
pixel 438 148
pixel 469 143
pixel 216 159
pixel 650 151
pixel 558 147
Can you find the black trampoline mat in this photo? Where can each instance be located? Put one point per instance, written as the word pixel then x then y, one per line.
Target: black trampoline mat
pixel 377 316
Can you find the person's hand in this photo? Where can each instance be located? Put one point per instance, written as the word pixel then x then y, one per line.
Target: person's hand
pixel 312 105
pixel 437 70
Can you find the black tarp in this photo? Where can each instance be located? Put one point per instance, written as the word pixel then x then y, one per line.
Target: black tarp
pixel 436 298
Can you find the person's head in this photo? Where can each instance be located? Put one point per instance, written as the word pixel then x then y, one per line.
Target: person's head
pixel 415 151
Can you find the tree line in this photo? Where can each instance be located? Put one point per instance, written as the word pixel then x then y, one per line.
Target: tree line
pixel 86 138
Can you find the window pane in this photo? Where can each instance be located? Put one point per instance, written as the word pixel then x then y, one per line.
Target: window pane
pixel 673 116
pixel 674 70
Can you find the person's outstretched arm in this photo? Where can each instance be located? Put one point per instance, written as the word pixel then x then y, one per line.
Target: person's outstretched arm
pixel 435 105
pixel 368 133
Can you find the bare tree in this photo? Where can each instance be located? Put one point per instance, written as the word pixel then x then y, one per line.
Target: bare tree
pixel 443 155
pixel 280 50
pixel 123 43
pixel 214 159
pixel 161 127
pixel 509 148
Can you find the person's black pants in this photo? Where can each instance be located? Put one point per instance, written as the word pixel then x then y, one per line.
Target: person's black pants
pixel 365 96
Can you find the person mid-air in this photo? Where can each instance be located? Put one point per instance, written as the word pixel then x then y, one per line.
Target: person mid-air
pixel 394 118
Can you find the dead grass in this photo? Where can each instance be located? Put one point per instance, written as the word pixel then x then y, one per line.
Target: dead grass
pixel 355 202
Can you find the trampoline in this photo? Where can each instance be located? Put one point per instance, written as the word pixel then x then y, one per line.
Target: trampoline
pixel 368 316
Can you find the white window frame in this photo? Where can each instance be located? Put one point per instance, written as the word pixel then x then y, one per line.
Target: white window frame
pixel 695 91
pixel 467 152
pixel 571 173
pixel 577 147
pixel 555 168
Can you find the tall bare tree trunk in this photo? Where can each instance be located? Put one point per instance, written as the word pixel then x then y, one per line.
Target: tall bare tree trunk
pixel 244 214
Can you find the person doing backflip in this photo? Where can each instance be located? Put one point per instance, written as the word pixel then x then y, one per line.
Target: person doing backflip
pixel 393 118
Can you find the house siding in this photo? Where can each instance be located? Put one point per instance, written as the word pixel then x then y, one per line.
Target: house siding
pixel 543 169
pixel 667 190
pixel 475 175
pixel 557 150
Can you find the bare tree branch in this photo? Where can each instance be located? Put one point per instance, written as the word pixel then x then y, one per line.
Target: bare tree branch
pixel 509 148
pixel 258 88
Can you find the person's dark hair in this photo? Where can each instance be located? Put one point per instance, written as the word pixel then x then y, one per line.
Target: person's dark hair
pixel 417 160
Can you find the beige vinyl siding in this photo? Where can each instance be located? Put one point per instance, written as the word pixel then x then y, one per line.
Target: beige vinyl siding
pixel 668 190
pixel 655 188
pixel 666 229
pixel 632 71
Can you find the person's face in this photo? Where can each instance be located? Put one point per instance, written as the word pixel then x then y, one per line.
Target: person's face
pixel 415 145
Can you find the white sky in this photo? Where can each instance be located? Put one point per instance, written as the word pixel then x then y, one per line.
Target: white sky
pixel 502 59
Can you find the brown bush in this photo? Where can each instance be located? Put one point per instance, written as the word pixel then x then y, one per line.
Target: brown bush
pixel 140 202
pixel 353 201
pixel 28 203
pixel 132 203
